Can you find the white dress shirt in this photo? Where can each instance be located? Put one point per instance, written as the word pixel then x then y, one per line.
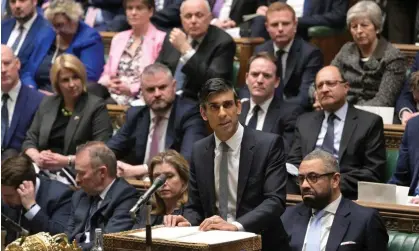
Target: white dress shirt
pixel 261 114
pixel 233 173
pixel 225 10
pixel 298 6
pixel 284 58
pixel 338 126
pixel 11 102
pixel 326 223
pixel 163 131
pixel 15 33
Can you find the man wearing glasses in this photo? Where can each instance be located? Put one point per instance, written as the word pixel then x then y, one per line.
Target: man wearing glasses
pixel 354 137
pixel 325 220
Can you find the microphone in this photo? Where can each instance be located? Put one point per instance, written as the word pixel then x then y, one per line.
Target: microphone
pixel 9 224
pixel 158 182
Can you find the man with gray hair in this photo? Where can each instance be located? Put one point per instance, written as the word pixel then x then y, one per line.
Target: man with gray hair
pixel 165 122
pixel 328 220
pixel 103 201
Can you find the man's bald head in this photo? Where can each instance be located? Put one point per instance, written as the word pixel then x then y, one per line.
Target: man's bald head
pixel 10 66
pixel 196 17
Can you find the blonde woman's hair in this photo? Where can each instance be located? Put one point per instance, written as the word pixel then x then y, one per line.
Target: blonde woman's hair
pixel 69 62
pixel 179 163
pixel 73 10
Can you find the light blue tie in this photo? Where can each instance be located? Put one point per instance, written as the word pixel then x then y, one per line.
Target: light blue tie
pixel 179 76
pixel 313 237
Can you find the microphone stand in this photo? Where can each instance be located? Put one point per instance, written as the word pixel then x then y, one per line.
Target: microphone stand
pixel 148 238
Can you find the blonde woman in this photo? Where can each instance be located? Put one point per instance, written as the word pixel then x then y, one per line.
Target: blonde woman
pixel 66 120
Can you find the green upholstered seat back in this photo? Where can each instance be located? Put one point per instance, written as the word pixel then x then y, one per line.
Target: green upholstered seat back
pixel 399 241
pixel 392 155
pixel 235 73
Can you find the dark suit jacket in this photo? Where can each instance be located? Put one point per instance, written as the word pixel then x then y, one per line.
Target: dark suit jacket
pixel 405 99
pixel 352 223
pixel 38 28
pixel 362 152
pixel 54 199
pixel 111 216
pixel 90 121
pixel 213 59
pixel 184 128
pixel 261 186
pixel 26 106
pixel 87 45
pixel 407 170
pixel 280 119
pixel 303 62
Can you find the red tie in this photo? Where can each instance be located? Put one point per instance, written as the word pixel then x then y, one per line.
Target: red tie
pixel 155 139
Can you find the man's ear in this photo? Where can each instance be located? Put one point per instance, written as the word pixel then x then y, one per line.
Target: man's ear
pixel 239 106
pixel 203 113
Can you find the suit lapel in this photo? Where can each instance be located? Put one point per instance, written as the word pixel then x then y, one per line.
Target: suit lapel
pixel 6 30
pixel 170 132
pixel 313 131
pixel 339 227
pixel 271 115
pixel 208 177
pixel 244 112
pixel 300 227
pixel 348 129
pixel 82 213
pixel 47 122
pixel 31 33
pixel 20 105
pixel 142 131
pixel 233 5
pixel 293 55
pixel 246 157
pixel 74 122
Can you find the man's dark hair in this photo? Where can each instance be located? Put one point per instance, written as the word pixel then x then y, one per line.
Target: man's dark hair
pixel 265 55
pixel 17 169
pixel 215 86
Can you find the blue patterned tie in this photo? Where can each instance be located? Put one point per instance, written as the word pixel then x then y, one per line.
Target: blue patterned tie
pixel 179 75
pixel 329 138
pixel 19 37
pixel 313 237
pixel 4 117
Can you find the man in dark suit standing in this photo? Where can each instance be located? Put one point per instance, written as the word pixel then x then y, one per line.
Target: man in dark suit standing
pixel 24 28
pixel 166 122
pixel 326 220
pixel 263 111
pixel 198 52
pixel 37 204
pixel 407 170
pixel 354 137
pixel 297 60
pixel 237 175
pixel 19 104
pixel 103 201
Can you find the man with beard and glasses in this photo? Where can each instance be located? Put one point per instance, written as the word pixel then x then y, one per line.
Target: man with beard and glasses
pixel 165 122
pixel 24 28
pixel 330 221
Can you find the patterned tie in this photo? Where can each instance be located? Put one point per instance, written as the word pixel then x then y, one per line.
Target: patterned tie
pixel 313 237
pixel 94 201
pixel 253 122
pixel 329 138
pixel 4 116
pixel 19 37
pixel 155 138
pixel 223 189
pixel 179 75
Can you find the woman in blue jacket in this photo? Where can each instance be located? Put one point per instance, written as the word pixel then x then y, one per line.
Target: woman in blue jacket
pixel 68 34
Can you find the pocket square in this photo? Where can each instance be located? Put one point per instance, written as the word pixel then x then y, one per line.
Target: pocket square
pixel 347 243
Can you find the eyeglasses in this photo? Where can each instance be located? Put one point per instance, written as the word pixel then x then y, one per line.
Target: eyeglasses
pixel 312 178
pixel 329 84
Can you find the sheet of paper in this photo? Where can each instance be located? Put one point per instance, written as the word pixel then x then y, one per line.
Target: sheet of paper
pixel 249 17
pixel 387 113
pixel 215 237
pixel 377 192
pixel 402 195
pixel 233 32
pixel 168 233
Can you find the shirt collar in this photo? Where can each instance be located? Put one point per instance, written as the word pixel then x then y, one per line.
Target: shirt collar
pixel 263 106
pixel 333 206
pixel 166 115
pixel 233 142
pixel 286 48
pixel 28 23
pixel 340 113
pixel 14 92
pixel 106 190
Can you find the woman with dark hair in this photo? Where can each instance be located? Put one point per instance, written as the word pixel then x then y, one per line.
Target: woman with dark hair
pixel 173 195
pixel 131 51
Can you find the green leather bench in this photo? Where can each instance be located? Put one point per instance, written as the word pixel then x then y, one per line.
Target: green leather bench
pixel 392 155
pixel 399 241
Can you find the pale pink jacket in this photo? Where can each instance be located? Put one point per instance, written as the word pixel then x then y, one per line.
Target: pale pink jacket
pixel 152 44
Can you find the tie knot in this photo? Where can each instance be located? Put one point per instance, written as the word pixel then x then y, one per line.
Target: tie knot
pixel 5 97
pixel 319 214
pixel 279 53
pixel 332 117
pixel 21 28
pixel 224 147
pixel 194 43
pixel 256 109
pixel 157 119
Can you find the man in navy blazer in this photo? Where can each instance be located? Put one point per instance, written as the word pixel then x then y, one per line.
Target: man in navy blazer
pixel 22 104
pixel 300 61
pixel 103 201
pixel 237 175
pixel 325 220
pixel 407 170
pixel 182 124
pixel 23 13
pixel 36 203
pixel 408 103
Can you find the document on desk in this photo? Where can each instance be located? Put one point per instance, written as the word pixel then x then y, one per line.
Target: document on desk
pixel 194 235
pixel 386 113
pixel 377 192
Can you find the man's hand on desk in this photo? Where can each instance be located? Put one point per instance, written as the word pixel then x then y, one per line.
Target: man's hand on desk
pixel 175 220
pixel 128 171
pixel 415 200
pixel 217 223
